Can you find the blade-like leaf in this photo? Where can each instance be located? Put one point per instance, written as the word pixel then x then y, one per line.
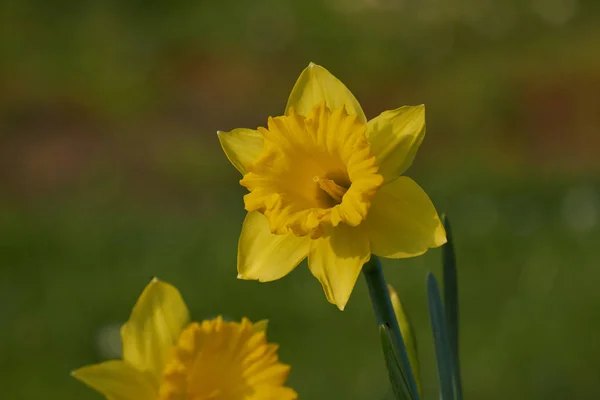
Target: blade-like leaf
pixel 385 315
pixel 451 303
pixel 394 366
pixel 408 334
pixel 443 351
pixel 450 287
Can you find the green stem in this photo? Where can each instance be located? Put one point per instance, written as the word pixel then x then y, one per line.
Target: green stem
pixel 385 315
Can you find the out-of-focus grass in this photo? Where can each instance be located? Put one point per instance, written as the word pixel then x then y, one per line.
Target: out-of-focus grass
pixel 528 292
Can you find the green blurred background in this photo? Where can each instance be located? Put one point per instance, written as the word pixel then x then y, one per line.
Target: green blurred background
pixel 111 173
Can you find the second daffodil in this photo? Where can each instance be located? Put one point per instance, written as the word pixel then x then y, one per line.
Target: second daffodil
pixel 165 357
pixel 327 184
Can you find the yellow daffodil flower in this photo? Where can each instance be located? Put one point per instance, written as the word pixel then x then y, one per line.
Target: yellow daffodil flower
pixel 327 184
pixel 165 357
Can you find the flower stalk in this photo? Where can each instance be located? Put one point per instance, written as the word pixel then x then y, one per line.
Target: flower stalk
pixel 385 315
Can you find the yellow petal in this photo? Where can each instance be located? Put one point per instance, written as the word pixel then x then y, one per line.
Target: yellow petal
pixel 154 326
pixel 402 221
pixel 241 146
pixel 277 393
pixel 264 256
pixel 117 381
pixel 260 326
pixel 336 260
pixel 314 85
pixel 408 334
pixel 395 137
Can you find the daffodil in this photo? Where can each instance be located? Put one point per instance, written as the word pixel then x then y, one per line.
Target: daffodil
pixel 165 357
pixel 327 184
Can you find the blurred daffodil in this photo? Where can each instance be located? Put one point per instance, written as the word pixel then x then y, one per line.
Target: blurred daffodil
pixel 165 357
pixel 327 184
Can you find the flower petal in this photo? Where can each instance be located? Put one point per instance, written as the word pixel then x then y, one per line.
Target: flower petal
pixel 315 85
pixel 402 221
pixel 395 137
pixel 117 380
pixel 241 146
pixel 336 260
pixel 276 393
pixel 260 326
pixel 154 326
pixel 264 256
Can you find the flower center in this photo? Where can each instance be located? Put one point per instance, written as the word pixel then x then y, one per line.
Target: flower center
pixel 335 191
pixel 314 171
pixel 221 360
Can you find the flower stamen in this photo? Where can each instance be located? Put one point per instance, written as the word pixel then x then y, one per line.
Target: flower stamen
pixel 335 191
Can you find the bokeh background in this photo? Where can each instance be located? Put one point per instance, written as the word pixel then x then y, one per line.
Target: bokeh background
pixel 111 173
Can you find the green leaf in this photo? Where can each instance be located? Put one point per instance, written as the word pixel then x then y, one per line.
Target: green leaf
pixel 385 315
pixel 397 377
pixel 408 335
pixel 443 350
pixel 451 303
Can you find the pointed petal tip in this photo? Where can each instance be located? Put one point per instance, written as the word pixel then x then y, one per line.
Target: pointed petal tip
pixel 245 277
pixel 341 302
pixel 441 237
pixel 160 306
pixel 242 147
pixel 315 85
pixel 336 273
pixel 443 240
pixel 419 110
pixel 395 137
pixel 76 373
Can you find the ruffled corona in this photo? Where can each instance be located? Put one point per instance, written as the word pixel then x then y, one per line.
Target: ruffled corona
pixel 314 171
pixel 216 359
